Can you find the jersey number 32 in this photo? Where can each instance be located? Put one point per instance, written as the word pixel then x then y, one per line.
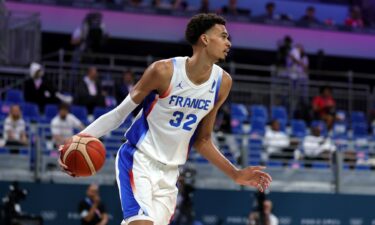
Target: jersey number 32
pixel 179 118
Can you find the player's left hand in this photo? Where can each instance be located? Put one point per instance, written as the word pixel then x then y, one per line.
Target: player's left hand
pixel 254 176
pixel 64 167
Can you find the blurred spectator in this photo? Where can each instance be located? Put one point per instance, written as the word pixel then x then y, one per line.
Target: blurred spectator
pixel 324 106
pixel 159 4
pixel 368 9
pixel 269 15
pixel 123 89
pixel 63 125
pixel 309 17
pixel 355 18
pixel 37 89
pixel 135 3
pixel 320 59
pixel 89 37
pixel 317 147
pixel 92 210
pixel 276 143
pixel 40 91
pixel 298 66
pixel 205 6
pixel 15 129
pixel 230 9
pixel 179 5
pixel 269 218
pixel 283 50
pixel 89 91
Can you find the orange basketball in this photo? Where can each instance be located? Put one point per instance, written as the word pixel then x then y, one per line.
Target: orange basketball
pixel 83 154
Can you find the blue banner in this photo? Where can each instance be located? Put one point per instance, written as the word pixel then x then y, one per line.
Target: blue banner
pixel 58 205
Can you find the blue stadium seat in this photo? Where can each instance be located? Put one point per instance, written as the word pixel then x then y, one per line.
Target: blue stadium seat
pixel 274 164
pixel 254 156
pixel 30 111
pixel 360 130
pixel 279 113
pixel 4 109
pixel 358 117
pixel 14 96
pixel 254 162
pixel 298 128
pixel 295 164
pixel 80 112
pixel 258 112
pixel 239 116
pixel 363 167
pixel 4 150
pixel 322 126
pixel 255 143
pixel 50 111
pixel 342 115
pixel 340 134
pixel 320 165
pixel 98 111
pixel 360 136
pixel 258 128
pixel 238 110
pixel 340 130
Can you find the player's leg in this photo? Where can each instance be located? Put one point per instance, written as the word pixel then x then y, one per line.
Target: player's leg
pixel 165 196
pixel 139 222
pixel 135 188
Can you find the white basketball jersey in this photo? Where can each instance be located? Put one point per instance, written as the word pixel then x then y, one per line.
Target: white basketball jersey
pixel 165 127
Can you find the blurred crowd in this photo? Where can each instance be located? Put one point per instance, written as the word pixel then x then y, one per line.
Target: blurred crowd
pixel 360 14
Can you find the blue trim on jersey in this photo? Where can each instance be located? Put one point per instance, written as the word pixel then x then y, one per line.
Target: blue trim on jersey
pixel 192 139
pixel 130 206
pixel 174 62
pixel 218 85
pixel 139 128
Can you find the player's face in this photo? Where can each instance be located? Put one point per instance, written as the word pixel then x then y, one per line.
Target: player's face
pixel 218 43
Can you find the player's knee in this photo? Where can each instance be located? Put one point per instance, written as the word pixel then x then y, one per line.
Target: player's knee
pixel 139 222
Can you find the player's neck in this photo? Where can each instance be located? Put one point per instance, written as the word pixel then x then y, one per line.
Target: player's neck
pixel 198 68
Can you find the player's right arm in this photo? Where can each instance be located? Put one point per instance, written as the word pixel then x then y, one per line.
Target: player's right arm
pixel 156 77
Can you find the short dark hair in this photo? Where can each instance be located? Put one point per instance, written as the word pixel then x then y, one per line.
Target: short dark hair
pixel 199 24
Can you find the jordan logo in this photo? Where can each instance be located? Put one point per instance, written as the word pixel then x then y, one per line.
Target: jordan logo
pixel 212 90
pixel 180 85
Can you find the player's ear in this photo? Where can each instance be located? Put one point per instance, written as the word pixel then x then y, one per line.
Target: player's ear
pixel 204 39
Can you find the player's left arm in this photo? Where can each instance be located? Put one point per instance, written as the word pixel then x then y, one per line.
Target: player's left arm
pixel 249 176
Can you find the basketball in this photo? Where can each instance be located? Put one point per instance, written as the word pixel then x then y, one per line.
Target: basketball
pixel 83 154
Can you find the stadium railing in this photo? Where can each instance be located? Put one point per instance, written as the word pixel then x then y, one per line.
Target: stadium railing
pixel 254 84
pixel 21 37
pixel 38 162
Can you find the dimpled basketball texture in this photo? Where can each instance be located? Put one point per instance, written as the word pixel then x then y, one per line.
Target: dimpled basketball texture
pixel 83 154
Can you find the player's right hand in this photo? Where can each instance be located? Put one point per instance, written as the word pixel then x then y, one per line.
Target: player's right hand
pixel 64 167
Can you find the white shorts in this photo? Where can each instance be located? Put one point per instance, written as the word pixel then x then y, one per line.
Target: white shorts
pixel 147 187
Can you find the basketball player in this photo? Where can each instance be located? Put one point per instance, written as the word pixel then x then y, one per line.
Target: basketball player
pixel 181 97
